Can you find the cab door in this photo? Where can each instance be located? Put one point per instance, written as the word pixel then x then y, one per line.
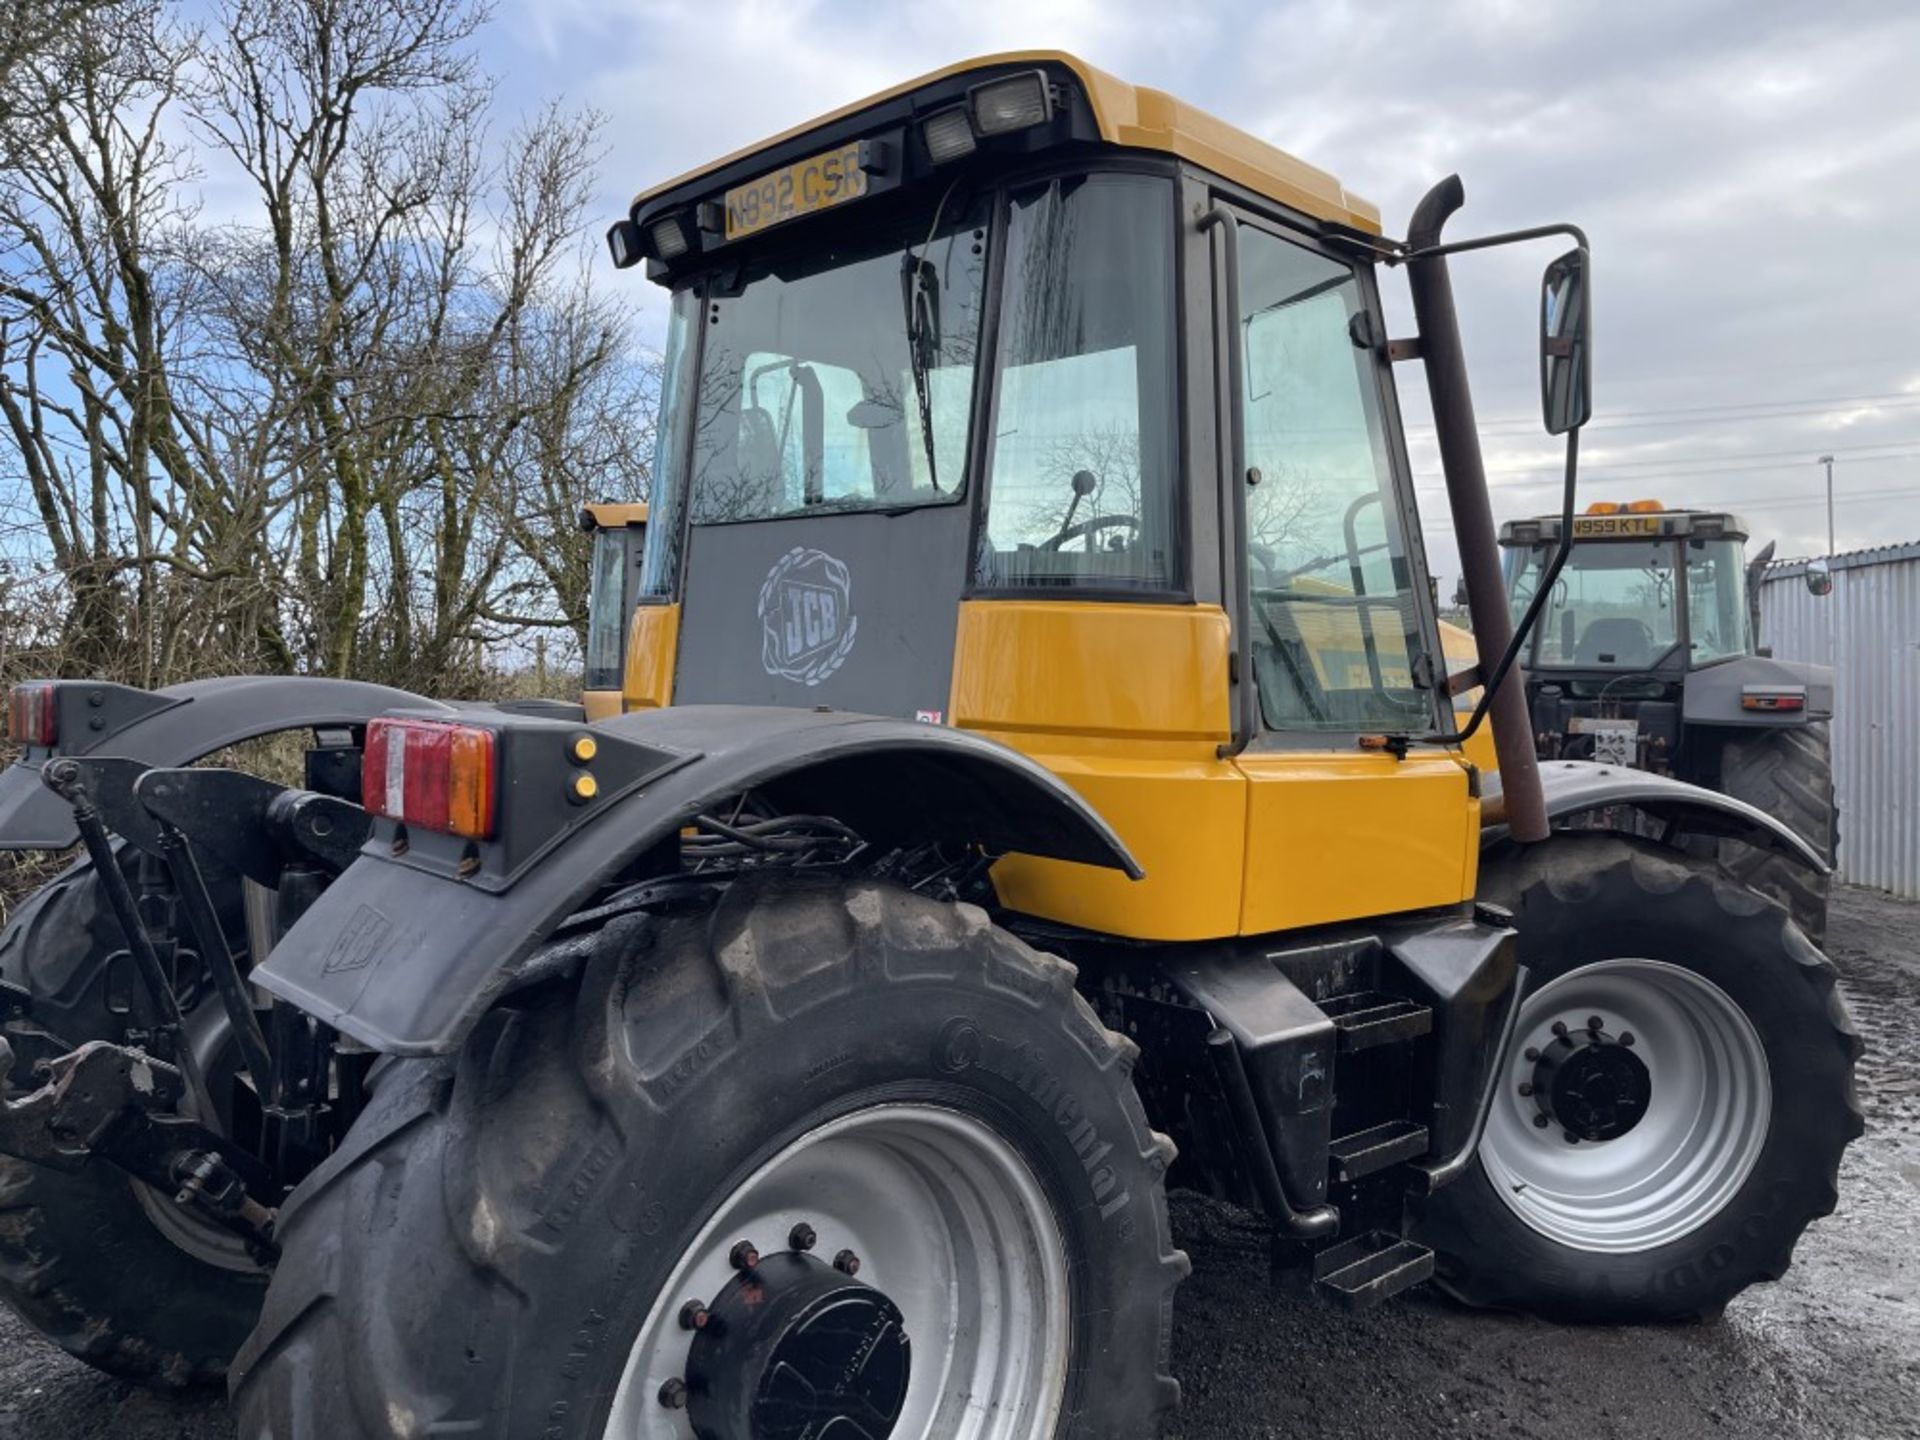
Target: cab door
pixel 1343 637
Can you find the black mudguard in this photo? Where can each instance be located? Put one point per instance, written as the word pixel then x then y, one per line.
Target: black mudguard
pixel 405 959
pixel 172 727
pixel 1580 787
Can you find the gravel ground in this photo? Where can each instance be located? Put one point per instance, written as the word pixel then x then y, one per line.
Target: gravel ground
pixel 1832 1352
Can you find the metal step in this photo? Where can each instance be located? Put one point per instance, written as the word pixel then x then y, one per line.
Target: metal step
pixel 1375 1148
pixel 1365 1270
pixel 1367 1019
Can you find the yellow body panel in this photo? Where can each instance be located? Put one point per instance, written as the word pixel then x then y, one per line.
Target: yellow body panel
pixel 1463 653
pixel 1138 117
pixel 653 643
pixel 1336 836
pixel 1129 705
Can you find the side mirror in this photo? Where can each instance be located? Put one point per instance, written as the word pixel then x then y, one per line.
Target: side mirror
pixel 1566 327
pixel 1819 577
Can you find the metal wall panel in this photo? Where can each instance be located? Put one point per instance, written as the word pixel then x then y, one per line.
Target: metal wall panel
pixel 1868 629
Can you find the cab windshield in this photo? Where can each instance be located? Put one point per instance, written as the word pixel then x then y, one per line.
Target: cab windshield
pixel 1617 605
pixel 840 376
pixel 1613 607
pixel 814 370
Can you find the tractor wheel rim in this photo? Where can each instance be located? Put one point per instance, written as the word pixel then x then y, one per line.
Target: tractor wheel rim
pixel 1682 1161
pixel 948 1221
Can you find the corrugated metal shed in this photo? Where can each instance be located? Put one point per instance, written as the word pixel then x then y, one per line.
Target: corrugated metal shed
pixel 1868 629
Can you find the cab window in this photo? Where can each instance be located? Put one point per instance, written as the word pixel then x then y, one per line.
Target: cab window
pixel 1080 468
pixel 1718 623
pixel 1613 607
pixel 1337 630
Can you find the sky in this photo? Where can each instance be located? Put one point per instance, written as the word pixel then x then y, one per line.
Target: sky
pixel 1748 174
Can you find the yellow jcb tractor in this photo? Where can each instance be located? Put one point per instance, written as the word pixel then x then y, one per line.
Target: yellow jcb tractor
pixel 1038 784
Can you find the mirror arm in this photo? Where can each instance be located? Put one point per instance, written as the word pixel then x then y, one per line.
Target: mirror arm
pixel 1488 242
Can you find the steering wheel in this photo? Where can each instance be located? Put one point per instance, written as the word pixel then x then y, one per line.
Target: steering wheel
pixel 1087 529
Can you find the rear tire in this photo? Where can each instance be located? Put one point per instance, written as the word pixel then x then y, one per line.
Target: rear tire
pixel 495 1246
pixel 1789 774
pixel 1749 1056
pixel 84 1259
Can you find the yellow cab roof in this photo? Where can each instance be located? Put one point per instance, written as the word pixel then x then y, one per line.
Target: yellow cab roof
pixel 612 514
pixel 1135 116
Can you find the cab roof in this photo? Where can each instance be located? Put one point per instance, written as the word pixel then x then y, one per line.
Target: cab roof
pixel 612 514
pixel 1127 115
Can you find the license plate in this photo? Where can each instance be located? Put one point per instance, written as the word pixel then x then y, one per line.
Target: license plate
pixel 1615 742
pixel 1617 525
pixel 819 182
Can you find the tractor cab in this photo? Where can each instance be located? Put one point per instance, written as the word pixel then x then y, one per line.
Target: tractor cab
pixel 1024 401
pixel 1647 655
pixel 1646 589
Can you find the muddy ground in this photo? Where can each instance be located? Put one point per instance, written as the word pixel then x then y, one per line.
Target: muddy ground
pixel 1832 1352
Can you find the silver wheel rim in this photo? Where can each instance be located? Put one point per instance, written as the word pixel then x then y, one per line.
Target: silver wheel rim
pixel 1704 1126
pixel 947 1220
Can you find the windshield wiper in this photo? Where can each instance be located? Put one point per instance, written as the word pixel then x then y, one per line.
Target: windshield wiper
pixel 920 293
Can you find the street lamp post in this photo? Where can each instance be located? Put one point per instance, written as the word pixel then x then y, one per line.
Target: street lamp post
pixel 1827 460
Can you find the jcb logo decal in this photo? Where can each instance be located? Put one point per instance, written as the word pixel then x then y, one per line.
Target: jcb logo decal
pixel 807 624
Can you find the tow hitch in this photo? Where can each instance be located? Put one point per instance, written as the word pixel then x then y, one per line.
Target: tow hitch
pixel 112 1102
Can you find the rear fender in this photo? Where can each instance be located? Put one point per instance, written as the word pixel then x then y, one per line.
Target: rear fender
pixel 405 952
pixel 1576 788
pixel 173 727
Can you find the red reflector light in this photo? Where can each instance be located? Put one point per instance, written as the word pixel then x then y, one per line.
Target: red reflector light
pixel 431 774
pixel 1751 701
pixel 31 717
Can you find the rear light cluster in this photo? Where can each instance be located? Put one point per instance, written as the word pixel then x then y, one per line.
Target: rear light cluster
pixel 432 774
pixel 1773 700
pixel 32 718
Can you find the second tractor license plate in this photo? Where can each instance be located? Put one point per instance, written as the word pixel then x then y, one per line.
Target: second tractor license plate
pixel 818 182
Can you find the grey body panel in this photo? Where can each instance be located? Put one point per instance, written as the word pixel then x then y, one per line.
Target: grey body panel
pixel 407 961
pixel 855 611
pixel 1712 694
pixel 182 724
pixel 1576 787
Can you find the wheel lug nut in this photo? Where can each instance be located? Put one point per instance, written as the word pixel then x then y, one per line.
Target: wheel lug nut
pixel 693 1316
pixel 1532 1054
pixel 1526 1087
pixel 1572 1139
pixel 1596 1024
pixel 1560 1029
pixel 1539 1122
pixel 1626 1037
pixel 847 1263
pixel 673 1394
pixel 743 1256
pixel 802 1237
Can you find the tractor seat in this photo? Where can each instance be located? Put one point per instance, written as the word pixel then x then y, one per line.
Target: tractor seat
pixel 1615 640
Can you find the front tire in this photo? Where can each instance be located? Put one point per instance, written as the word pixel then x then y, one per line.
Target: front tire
pixel 505 1245
pixel 1655 1166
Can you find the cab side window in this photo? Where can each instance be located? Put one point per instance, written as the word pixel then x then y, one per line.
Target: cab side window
pixel 1337 631
pixel 1080 463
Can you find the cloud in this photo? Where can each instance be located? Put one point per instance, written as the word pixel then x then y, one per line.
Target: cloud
pixel 1745 170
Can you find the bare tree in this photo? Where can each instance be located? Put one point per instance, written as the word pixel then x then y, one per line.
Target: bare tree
pixel 347 429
